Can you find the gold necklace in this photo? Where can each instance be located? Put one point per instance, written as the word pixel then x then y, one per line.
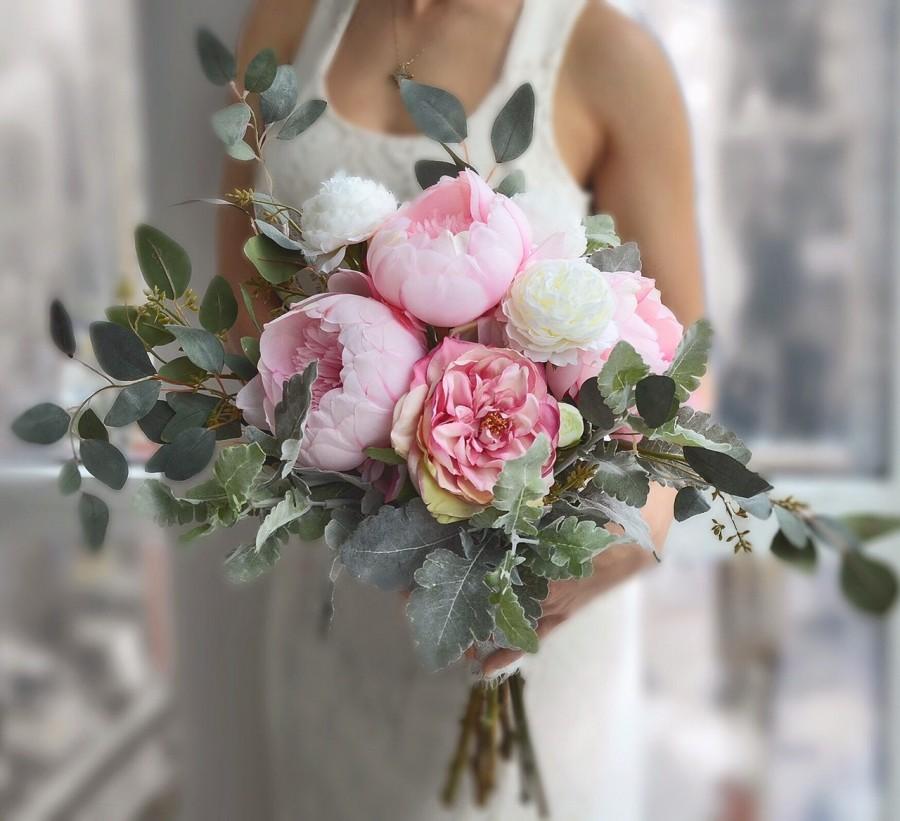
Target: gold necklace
pixel 403 68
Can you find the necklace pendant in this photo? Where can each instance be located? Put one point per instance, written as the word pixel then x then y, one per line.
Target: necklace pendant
pixel 401 73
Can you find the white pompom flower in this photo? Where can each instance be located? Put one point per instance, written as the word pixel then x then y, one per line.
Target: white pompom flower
pixel 556 227
pixel 344 211
pixel 557 308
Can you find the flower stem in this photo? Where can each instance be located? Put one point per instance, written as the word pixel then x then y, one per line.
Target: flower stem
pixel 532 786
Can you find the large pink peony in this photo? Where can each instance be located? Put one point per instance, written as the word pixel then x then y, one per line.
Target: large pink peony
pixel 470 408
pixel 365 352
pixel 448 256
pixel 641 320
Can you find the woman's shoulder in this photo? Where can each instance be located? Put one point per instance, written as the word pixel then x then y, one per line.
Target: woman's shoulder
pixel 275 24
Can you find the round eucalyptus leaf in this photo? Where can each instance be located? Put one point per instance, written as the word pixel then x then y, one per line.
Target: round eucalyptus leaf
pixel 261 71
pixel 240 366
pixel 512 184
pixel 94 516
pixel 69 480
pixel 215 57
pixel 689 502
pixel 436 113
pixel 724 473
pixel 90 427
pixel 869 584
pixel 429 172
pixel 513 129
pixel 189 453
pixel 120 352
pixel 157 463
pixel 219 308
pixel 655 399
pixel 593 408
pixel 61 328
pixel 128 316
pixel 241 151
pixel 42 424
pixel 279 99
pixel 275 264
pixel 305 115
pixel 133 402
pixel 230 124
pixel 154 422
pixel 201 347
pixel 183 371
pixel 250 346
pixel 277 236
pixel 803 557
pixel 104 462
pixel 164 263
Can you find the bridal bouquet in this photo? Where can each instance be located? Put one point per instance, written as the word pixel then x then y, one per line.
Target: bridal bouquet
pixel 468 395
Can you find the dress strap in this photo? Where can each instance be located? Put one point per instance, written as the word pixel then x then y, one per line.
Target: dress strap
pixel 540 46
pixel 320 41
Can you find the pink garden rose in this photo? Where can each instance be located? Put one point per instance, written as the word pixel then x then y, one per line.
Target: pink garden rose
pixel 469 409
pixel 366 352
pixel 448 256
pixel 641 320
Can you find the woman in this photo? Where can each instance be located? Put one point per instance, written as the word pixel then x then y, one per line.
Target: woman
pixel 358 730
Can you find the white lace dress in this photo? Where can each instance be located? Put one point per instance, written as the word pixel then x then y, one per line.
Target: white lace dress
pixel 359 732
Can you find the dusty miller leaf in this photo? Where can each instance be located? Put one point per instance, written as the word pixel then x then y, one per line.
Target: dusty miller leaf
pixel 690 360
pixel 520 490
pixel 621 476
pixel 274 526
pixel 623 370
pixel 566 548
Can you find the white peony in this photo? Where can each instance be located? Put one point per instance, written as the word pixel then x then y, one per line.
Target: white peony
pixel 344 211
pixel 559 307
pixel 556 227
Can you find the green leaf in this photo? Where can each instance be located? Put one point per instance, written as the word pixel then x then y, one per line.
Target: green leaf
pixel 61 328
pixel 287 511
pixel 691 427
pixel 602 509
pixel 601 232
pixel 620 476
pixel 128 316
pixel 869 584
pixel 157 462
pixel 655 399
pixel 451 608
pixel 120 352
pixel 436 113
pixel 802 557
pixel 429 172
pixel 164 263
pixel 512 184
pixel 275 264
pixel 236 469
pixel 311 525
pixel 246 563
pixel 387 548
pixel 104 462
pixel 260 72
pixel 230 123
pixel 690 360
pixel 594 409
pixel 155 499
pixel 512 622
pixel 279 99
pixel 216 59
pixel 94 516
pixel 513 129
pixel 520 490
pixel 305 115
pixel 69 481
pixel 386 455
pixel 623 369
pixel 133 402
pixel 182 370
pixel 192 410
pixel 759 506
pixel 868 527
pixel 296 396
pixel 189 452
pixel 219 308
pixel 566 548
pixel 625 257
pixel 689 502
pixel 90 427
pixel 240 366
pixel 792 527
pixel 724 473
pixel 241 151
pixel 201 347
pixel 153 424
pixel 250 346
pixel 42 424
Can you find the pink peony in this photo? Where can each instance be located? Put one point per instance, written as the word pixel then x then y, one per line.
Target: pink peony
pixel 641 319
pixel 448 256
pixel 469 409
pixel 365 352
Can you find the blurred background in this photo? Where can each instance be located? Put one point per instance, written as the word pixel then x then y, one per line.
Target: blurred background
pixel 130 680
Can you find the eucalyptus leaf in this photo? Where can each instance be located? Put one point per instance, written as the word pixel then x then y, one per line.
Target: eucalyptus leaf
pixel 130 317
pixel 690 360
pixel 513 129
pixel 120 352
pixel 279 237
pixel 620 476
pixel 274 264
pixel 165 265
pixel 189 453
pixel 201 347
pixel 655 399
pixel 759 506
pixel 436 113
pixel 192 410
pixel 279 99
pixel 240 366
pixel 724 473
pixel 792 527
pixel 261 70
pixel 219 309
pixel 42 424
pixel 689 502
pixel 870 527
pixel 625 257
pixel 802 557
pixel 250 346
pixel 134 402
pixel 306 114
pixel 386 455
pixel 159 460
pixel 593 408
pixel 61 331
pixel 430 172
pixel 216 59
pixel 104 462
pixel 230 123
pixel 183 371
pixel 90 427
pixel 241 151
pixel 513 183
pixel 869 584
pixel 387 548
pixel 69 480
pixel 93 514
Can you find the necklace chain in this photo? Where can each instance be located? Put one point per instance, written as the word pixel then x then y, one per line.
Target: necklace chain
pixel 403 68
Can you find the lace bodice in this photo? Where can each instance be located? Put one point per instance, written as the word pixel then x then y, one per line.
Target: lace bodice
pixel 333 143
